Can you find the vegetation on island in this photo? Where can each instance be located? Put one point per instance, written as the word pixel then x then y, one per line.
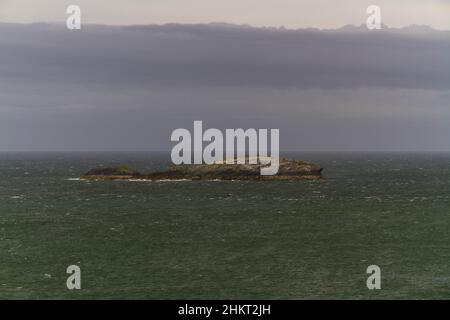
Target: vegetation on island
pixel 288 170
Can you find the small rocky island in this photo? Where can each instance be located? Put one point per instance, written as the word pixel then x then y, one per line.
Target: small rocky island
pixel 288 170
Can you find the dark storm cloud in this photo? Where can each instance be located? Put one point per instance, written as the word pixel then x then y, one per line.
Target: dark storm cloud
pixel 177 55
pixel 127 88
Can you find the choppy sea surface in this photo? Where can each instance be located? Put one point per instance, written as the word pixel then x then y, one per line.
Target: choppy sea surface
pixel 225 239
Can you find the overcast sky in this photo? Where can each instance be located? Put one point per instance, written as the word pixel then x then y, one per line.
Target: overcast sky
pixel 288 13
pixel 116 88
pixel 128 88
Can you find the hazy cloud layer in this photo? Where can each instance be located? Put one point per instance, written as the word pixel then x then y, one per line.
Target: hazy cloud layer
pixel 126 88
pixel 224 56
pixel 289 13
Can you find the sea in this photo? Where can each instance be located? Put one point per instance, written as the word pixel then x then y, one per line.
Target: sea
pixel 225 239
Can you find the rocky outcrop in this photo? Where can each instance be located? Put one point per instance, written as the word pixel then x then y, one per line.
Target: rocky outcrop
pixel 288 170
pixel 112 173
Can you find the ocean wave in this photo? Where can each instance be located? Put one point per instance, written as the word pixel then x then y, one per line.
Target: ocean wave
pixel 172 180
pixel 162 180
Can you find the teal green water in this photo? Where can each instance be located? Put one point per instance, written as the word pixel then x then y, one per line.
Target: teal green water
pixel 226 240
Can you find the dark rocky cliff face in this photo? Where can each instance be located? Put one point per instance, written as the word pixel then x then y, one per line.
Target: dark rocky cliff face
pixel 288 170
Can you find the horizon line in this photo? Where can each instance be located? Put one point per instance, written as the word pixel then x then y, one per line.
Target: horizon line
pixel 281 28
pixel 169 151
